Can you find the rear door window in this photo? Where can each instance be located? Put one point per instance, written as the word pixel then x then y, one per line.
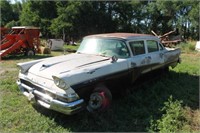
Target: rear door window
pixel 161 46
pixel 137 47
pixel 152 46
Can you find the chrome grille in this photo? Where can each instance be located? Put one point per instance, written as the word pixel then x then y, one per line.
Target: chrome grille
pixel 63 99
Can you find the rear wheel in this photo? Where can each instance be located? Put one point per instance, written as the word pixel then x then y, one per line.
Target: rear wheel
pixel 100 99
pixel 166 69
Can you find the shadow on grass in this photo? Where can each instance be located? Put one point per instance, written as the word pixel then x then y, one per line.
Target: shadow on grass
pixel 18 57
pixel 133 112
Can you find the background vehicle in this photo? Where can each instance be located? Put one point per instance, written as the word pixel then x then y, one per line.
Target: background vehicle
pixel 22 39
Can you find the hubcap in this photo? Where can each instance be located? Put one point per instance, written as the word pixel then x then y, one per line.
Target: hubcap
pixel 96 101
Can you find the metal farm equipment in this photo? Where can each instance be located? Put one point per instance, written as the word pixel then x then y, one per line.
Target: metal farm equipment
pixel 22 39
pixel 168 39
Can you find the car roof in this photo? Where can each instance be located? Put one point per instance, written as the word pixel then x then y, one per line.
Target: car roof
pixel 126 36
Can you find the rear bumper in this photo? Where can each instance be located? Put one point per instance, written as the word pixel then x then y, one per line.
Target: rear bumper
pixel 49 102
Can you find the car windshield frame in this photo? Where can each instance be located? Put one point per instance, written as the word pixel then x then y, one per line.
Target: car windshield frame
pixel 107 47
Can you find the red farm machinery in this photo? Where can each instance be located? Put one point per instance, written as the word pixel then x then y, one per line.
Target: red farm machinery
pixel 20 40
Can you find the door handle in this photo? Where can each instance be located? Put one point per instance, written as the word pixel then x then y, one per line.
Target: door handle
pixel 133 64
pixel 161 55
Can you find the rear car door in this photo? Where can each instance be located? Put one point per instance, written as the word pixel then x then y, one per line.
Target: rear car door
pixel 155 54
pixel 138 63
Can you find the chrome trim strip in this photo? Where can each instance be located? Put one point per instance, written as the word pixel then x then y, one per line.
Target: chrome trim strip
pixel 25 78
pixel 50 103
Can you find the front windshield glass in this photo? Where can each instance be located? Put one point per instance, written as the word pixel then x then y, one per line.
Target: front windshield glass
pixel 104 47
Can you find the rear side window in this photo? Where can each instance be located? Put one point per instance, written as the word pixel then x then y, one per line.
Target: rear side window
pixel 161 46
pixel 137 47
pixel 152 46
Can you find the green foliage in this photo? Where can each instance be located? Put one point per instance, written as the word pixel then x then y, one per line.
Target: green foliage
pixel 10 13
pixel 188 47
pixel 12 23
pixel 38 13
pixel 6 12
pixel 95 17
pixel 190 64
pixel 16 8
pixel 79 18
pixel 28 16
pixel 71 47
pixel 66 17
pixel 173 117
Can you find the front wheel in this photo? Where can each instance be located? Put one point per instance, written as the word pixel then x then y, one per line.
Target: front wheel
pixel 29 52
pixel 100 99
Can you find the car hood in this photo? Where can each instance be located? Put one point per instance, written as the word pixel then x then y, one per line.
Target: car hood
pixel 64 64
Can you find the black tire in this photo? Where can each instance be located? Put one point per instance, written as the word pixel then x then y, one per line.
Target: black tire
pixel 100 99
pixel 29 52
pixel 166 70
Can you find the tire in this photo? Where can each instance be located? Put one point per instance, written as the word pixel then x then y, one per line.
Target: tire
pixel 99 100
pixel 30 52
pixel 166 70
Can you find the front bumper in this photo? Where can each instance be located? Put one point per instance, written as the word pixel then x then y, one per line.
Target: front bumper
pixel 49 102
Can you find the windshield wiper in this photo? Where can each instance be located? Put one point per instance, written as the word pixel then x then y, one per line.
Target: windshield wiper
pixel 102 54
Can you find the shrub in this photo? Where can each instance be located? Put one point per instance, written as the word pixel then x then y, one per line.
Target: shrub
pixel 172 119
pixel 191 47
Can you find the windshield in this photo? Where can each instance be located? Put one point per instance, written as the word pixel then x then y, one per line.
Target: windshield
pixel 104 47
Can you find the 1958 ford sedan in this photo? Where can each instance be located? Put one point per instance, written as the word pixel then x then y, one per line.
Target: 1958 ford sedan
pixel 87 78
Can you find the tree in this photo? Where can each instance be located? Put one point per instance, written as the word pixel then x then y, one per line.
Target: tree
pixel 38 13
pixel 16 8
pixel 124 15
pixel 139 18
pixel 78 19
pixel 181 16
pixel 67 12
pixel 29 15
pixel 194 17
pixel 6 12
pixel 95 17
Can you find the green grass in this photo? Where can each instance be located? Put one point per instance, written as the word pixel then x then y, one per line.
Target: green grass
pixel 72 47
pixel 131 112
pixel 188 47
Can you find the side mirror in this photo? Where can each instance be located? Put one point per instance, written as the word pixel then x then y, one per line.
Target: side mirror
pixel 114 59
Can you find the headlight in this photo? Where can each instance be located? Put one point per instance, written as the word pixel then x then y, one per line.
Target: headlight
pixel 60 83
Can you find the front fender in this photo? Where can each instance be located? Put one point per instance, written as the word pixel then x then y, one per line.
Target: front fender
pixel 24 67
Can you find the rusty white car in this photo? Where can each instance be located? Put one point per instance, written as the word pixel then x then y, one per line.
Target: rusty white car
pixel 88 78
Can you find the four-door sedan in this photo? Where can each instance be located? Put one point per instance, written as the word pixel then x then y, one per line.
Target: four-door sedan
pixel 87 78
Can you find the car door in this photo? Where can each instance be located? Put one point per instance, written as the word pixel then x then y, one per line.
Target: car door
pixel 155 54
pixel 138 63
